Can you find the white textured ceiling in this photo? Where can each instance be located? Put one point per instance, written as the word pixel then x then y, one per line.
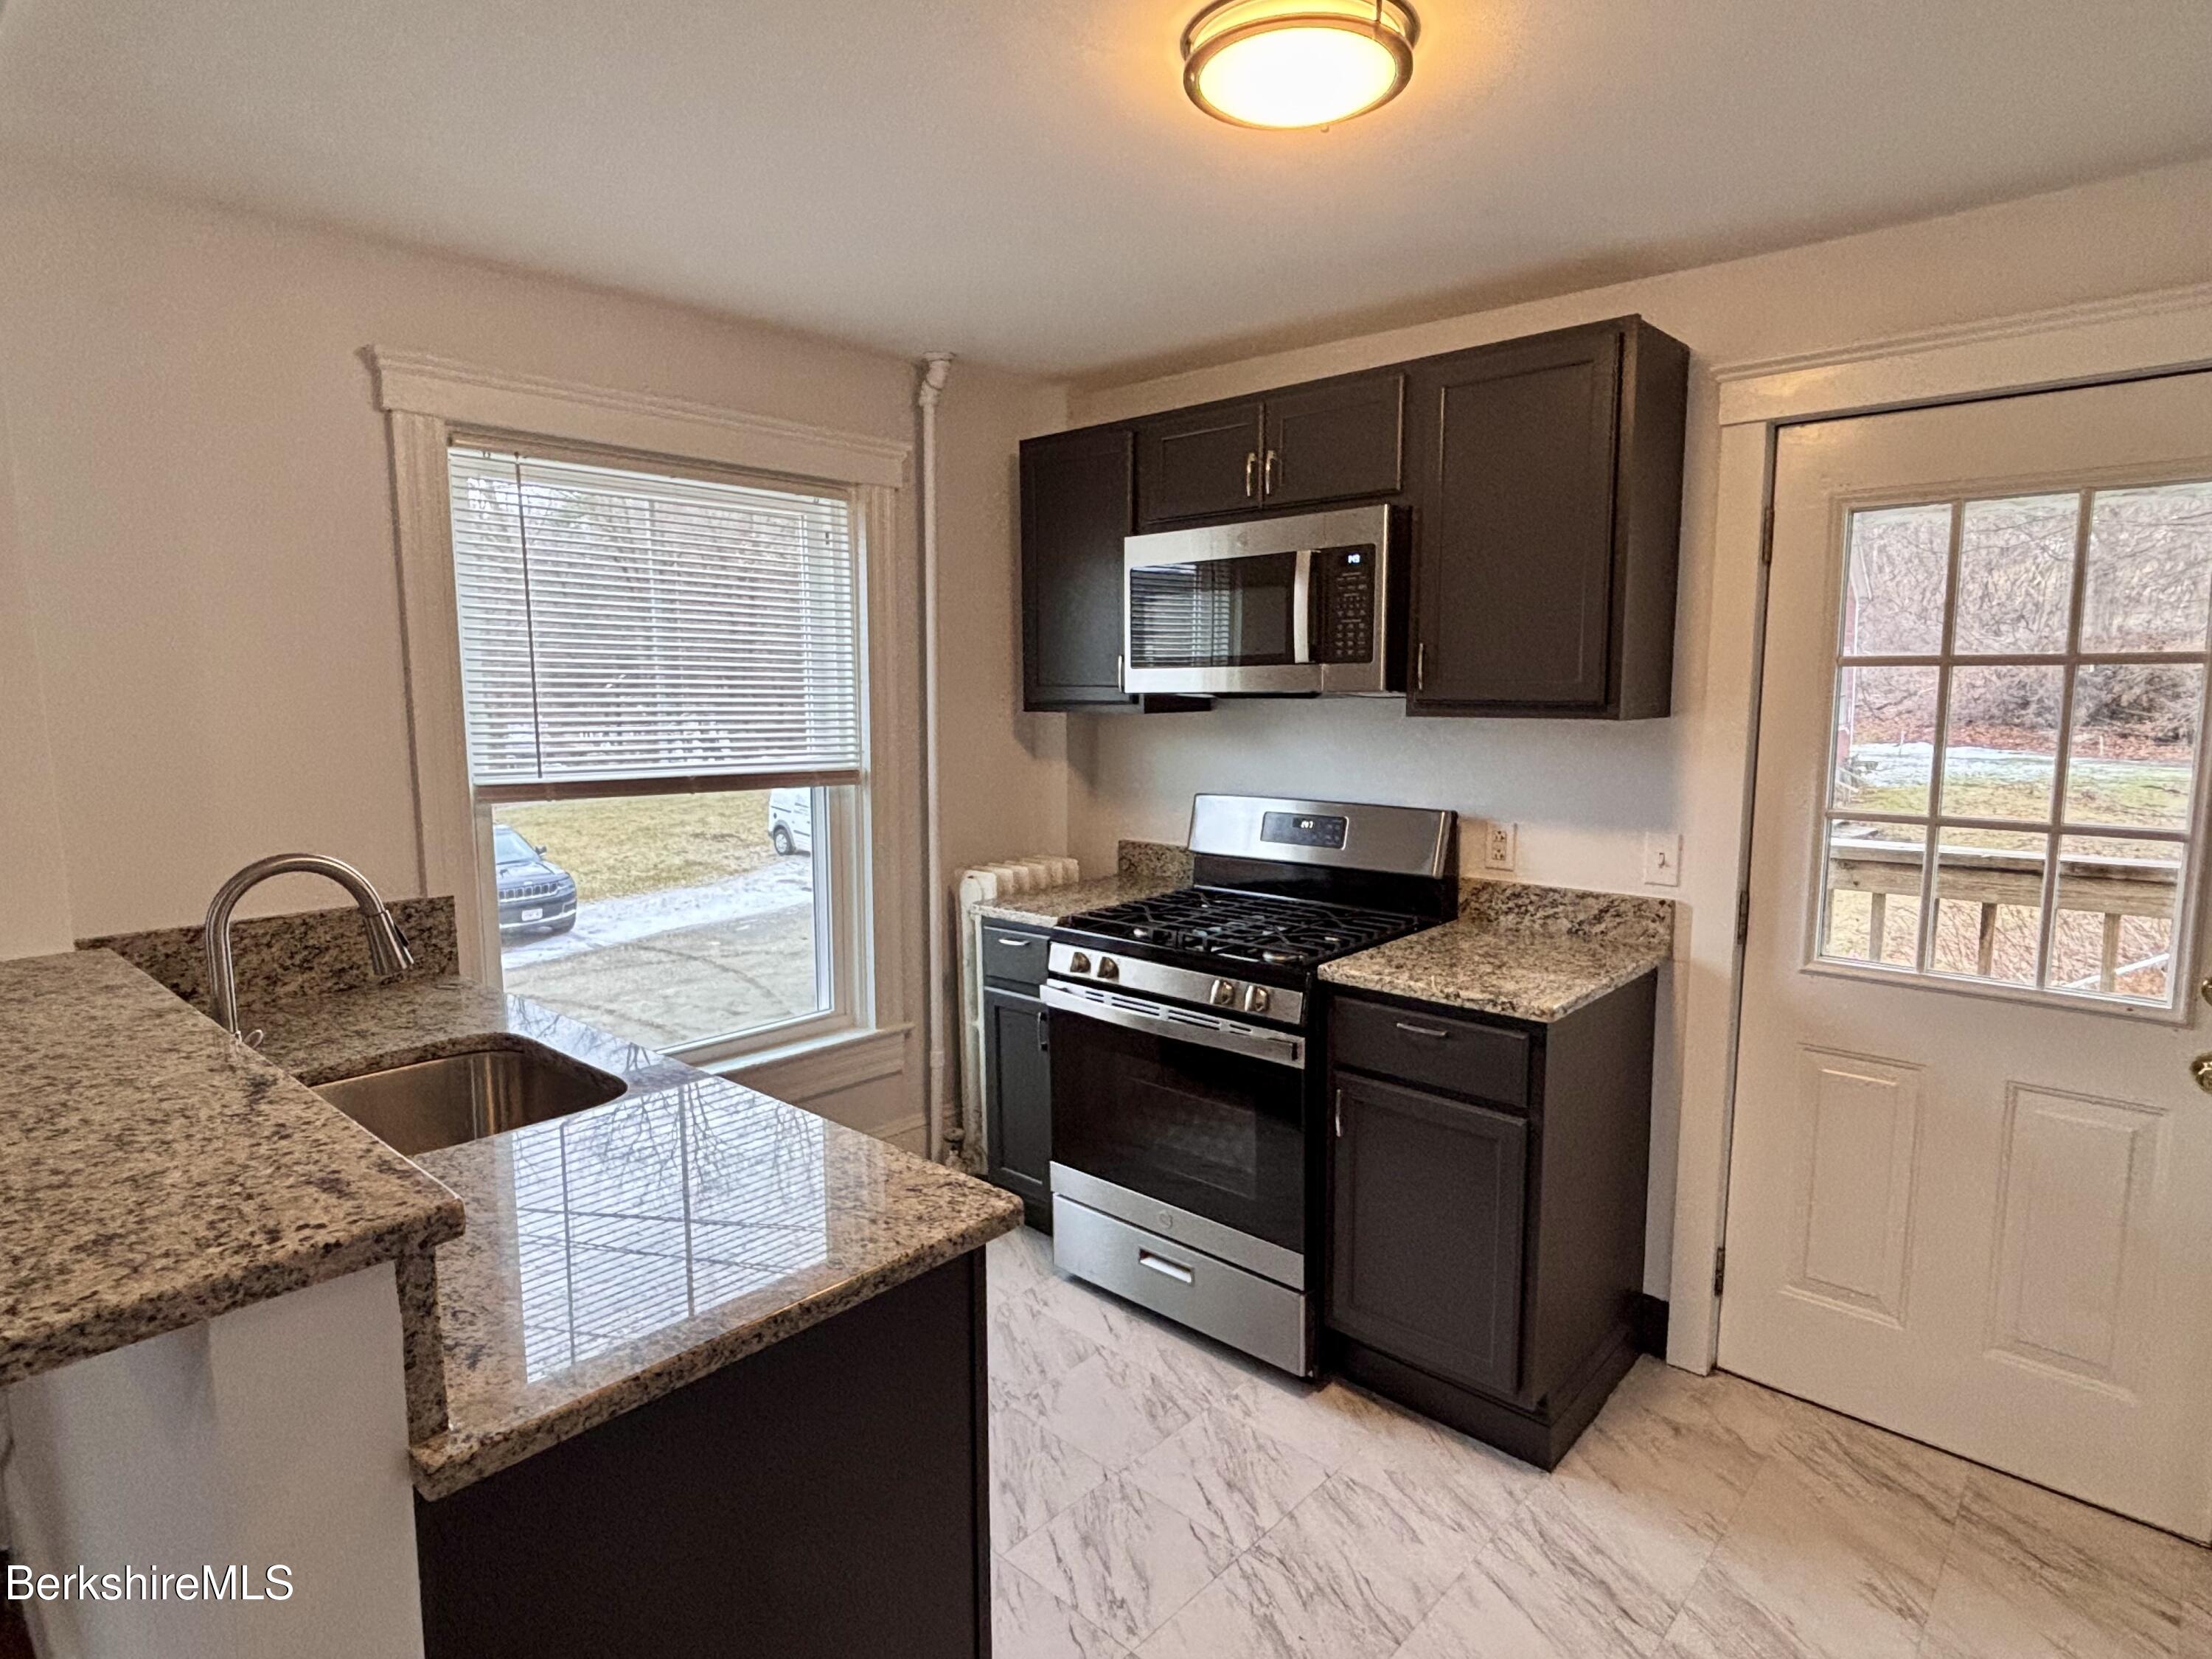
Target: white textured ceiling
pixel 1025 183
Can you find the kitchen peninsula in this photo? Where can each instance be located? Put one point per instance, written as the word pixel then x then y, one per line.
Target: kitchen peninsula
pixel 667 1363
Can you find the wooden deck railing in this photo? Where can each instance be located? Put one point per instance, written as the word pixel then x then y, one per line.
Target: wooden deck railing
pixel 2112 889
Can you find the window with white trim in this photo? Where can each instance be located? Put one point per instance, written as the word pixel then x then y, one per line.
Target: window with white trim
pixel 2014 787
pixel 662 688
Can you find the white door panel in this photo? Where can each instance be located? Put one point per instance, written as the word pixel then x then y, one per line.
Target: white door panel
pixel 1971 1177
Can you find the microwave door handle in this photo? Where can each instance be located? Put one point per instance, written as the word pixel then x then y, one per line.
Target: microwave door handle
pixel 1302 607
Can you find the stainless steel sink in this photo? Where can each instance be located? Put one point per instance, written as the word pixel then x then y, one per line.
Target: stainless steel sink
pixel 467 1095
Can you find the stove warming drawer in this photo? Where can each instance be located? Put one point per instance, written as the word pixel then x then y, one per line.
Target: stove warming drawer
pixel 1247 1312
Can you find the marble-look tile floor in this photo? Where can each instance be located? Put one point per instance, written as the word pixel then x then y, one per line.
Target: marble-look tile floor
pixel 1156 1495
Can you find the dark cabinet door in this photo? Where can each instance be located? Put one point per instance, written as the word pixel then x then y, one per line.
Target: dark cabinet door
pixel 1333 441
pixel 1077 507
pixel 1514 589
pixel 1427 1197
pixel 1017 1074
pixel 1199 462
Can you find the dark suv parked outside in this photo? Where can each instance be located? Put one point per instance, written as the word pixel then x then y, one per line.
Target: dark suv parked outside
pixel 535 896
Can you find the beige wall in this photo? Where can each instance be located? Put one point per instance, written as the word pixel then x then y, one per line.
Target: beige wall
pixel 34 893
pixel 204 549
pixel 1584 795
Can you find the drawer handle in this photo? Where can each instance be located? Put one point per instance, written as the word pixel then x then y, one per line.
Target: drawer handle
pixel 1165 1269
pixel 1013 943
pixel 1412 1030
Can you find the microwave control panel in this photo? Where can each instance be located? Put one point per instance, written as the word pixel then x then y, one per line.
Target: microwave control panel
pixel 1344 604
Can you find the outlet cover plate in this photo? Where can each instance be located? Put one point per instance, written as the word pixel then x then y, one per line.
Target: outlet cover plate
pixel 1500 845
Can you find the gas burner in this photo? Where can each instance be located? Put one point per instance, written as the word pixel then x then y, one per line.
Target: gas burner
pixel 1228 925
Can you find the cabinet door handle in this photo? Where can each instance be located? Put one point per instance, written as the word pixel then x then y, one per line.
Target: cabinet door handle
pixel 1013 943
pixel 1121 677
pixel 1163 1267
pixel 1411 1029
pixel 1339 1114
pixel 1251 469
pixel 1421 666
pixel 1267 475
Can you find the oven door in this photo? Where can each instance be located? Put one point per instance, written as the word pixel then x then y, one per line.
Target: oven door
pixel 1209 1118
pixel 1207 618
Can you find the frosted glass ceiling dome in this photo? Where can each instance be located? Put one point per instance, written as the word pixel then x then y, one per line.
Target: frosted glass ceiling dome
pixel 1285 63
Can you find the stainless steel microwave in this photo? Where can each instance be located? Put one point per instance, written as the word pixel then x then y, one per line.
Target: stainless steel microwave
pixel 1311 605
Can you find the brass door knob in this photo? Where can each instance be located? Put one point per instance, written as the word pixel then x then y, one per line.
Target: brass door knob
pixel 2201 1069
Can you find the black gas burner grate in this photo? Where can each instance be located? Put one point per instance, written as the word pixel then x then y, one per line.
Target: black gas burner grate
pixel 1235 927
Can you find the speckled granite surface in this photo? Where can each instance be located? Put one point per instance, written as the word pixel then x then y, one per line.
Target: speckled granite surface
pixel 154 1173
pixel 1143 868
pixel 1157 859
pixel 620 1253
pixel 1526 952
pixel 307 953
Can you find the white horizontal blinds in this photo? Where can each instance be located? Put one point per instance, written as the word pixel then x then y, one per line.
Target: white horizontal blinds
pixel 631 628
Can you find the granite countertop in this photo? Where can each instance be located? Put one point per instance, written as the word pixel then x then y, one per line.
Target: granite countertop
pixel 617 1254
pixel 1526 952
pixel 155 1174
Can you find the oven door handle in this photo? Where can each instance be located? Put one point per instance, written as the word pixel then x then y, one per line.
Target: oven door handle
pixel 1181 1025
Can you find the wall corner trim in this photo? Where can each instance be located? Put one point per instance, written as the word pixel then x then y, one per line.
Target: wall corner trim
pixel 468 395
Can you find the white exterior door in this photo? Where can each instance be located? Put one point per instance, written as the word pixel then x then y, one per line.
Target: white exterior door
pixel 1970 1191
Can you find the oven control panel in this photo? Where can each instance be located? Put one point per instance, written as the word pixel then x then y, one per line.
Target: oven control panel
pixel 1096 967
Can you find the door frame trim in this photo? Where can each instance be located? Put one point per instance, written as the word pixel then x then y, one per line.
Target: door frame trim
pixel 2162 331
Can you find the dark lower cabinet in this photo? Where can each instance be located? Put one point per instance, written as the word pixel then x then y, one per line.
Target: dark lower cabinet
pixel 825 1498
pixel 1078 504
pixel 1487 1210
pixel 1016 1065
pixel 1018 1081
pixel 1426 1240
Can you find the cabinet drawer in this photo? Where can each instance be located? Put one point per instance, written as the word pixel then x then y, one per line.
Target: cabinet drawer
pixel 1460 1056
pixel 1017 954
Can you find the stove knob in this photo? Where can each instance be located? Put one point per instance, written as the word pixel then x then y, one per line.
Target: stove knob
pixel 1079 963
pixel 1224 994
pixel 1256 1000
pixel 1108 969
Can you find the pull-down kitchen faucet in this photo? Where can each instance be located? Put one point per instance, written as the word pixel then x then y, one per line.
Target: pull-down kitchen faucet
pixel 388 955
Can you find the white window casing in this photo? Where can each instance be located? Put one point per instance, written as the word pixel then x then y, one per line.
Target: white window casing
pixel 811 687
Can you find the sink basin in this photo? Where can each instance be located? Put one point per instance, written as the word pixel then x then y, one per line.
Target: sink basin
pixel 467 1095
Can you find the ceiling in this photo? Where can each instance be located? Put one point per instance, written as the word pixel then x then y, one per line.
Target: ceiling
pixel 1026 184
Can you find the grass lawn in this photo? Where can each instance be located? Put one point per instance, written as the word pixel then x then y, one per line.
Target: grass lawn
pixel 2104 793
pixel 648 842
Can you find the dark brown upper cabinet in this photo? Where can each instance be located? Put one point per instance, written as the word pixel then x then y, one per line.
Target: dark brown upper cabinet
pixel 1333 441
pixel 1198 463
pixel 1078 503
pixel 1548 489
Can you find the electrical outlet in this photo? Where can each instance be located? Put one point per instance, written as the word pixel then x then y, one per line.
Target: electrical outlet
pixel 1662 859
pixel 1500 841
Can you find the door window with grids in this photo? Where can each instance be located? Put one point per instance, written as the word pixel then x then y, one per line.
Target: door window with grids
pixel 662 688
pixel 2013 790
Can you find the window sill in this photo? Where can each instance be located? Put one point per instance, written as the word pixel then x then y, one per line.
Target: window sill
pixel 814 1067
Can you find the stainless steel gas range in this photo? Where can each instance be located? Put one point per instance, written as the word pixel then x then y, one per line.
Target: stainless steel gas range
pixel 1187 1126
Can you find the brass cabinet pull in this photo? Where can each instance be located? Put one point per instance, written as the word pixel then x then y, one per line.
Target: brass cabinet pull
pixel 1251 467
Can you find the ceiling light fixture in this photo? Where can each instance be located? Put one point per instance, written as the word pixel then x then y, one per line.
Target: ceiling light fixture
pixel 1298 62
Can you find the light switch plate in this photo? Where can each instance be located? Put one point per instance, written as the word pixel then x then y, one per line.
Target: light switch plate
pixel 1500 843
pixel 1662 859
